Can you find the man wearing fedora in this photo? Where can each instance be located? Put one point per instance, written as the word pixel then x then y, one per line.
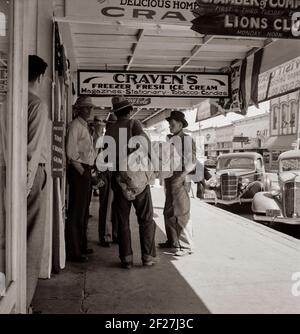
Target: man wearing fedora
pixel 142 202
pixel 177 206
pixel 81 157
pixel 107 227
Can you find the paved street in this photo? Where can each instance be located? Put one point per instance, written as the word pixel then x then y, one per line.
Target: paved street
pixel 244 210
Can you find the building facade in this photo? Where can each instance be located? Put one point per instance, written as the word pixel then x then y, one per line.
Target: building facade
pixel 224 139
pixel 284 125
pixel 209 137
pixel 251 133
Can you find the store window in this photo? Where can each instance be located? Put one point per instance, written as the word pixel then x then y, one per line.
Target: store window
pixel 284 117
pixel 294 110
pixel 275 115
pixel 4 51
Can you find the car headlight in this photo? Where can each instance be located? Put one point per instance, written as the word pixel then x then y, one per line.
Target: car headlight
pixel 245 183
pixel 275 193
pixel 213 182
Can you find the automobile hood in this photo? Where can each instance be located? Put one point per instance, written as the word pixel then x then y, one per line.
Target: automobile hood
pixel 288 176
pixel 235 172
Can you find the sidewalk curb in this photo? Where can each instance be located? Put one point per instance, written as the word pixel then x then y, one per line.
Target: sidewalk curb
pixel 261 229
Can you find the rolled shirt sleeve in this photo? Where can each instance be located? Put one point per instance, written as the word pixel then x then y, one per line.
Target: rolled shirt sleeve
pixel 37 127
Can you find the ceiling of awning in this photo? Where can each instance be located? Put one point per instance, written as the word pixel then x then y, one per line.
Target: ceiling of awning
pixel 118 46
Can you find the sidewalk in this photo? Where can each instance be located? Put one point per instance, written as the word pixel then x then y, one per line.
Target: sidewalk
pixel 238 267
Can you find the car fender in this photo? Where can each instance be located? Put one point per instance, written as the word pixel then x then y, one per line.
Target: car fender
pixel 265 201
pixel 252 189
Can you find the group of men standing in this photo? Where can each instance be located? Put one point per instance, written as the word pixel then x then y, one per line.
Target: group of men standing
pixel 115 207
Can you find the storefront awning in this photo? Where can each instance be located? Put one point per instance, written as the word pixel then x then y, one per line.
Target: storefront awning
pixel 280 143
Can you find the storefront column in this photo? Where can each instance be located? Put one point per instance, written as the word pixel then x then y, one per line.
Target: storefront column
pixel 45 51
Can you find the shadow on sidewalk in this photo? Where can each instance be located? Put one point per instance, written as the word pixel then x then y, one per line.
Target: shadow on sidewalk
pixel 102 287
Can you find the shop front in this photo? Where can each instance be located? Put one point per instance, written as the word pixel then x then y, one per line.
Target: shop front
pixel 26 27
pixel 13 132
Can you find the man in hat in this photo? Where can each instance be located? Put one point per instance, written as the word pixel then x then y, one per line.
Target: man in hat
pixel 81 157
pixel 99 129
pixel 142 202
pixel 107 227
pixel 177 206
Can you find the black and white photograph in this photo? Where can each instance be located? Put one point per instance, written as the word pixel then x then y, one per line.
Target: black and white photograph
pixel 149 160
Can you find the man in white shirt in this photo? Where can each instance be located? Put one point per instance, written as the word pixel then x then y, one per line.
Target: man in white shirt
pixel 81 157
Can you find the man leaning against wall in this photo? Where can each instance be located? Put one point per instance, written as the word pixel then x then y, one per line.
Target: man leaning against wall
pixel 36 174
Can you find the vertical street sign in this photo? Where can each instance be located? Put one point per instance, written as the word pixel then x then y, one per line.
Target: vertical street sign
pixel 57 162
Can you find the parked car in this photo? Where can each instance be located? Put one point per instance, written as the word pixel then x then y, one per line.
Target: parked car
pixel 282 203
pixel 239 176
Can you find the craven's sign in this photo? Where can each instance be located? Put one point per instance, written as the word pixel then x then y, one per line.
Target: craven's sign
pixel 153 84
pixel 147 11
pixel 279 81
pixel 249 18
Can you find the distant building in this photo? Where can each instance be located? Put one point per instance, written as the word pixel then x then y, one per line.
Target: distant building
pixel 251 133
pixel 224 138
pixel 209 137
pixel 284 125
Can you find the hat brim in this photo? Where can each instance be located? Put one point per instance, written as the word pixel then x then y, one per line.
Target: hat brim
pixel 102 123
pixel 123 107
pixel 183 121
pixel 109 122
pixel 85 105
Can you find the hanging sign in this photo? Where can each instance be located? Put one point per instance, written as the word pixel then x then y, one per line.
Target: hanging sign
pixel 279 81
pixel 139 101
pixel 153 84
pixel 146 11
pixel 206 110
pixel 249 18
pixel 58 149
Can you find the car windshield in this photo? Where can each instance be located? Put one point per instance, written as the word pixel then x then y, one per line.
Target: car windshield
pixel 290 164
pixel 236 163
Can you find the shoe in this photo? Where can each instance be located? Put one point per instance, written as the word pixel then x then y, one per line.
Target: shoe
pixel 183 252
pixel 88 251
pixel 165 245
pixel 126 265
pixel 149 263
pixel 79 259
pixel 105 244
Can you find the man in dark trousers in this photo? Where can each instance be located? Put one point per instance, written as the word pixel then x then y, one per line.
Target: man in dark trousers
pixel 177 207
pixel 37 157
pixel 107 228
pixel 142 202
pixel 81 157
